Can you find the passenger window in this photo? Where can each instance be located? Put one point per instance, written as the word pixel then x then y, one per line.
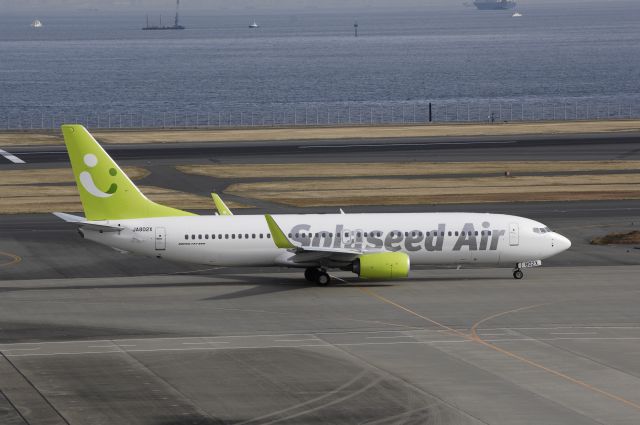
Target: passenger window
pixel 290 235
pixel 186 237
pixel 193 237
pixel 268 235
pixel 450 234
pixel 199 236
pixel 253 236
pixel 233 236
pixel 240 236
pixel 261 235
pixel 489 232
pixel 213 236
pixel 206 236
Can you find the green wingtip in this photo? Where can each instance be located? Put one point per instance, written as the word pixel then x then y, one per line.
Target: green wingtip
pixel 220 205
pixel 277 234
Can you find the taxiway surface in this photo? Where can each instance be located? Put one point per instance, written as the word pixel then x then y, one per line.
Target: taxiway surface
pixel 463 347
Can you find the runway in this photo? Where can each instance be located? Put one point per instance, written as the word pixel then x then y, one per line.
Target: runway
pixel 90 335
pixel 592 146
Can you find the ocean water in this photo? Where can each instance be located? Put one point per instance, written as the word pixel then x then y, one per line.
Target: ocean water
pixel 95 64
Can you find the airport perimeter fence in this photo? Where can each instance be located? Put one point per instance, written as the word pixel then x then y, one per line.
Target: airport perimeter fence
pixel 326 115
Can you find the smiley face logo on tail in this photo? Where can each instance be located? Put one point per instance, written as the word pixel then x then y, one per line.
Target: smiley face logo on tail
pixel 90 160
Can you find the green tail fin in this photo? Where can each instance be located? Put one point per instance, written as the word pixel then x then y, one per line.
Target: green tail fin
pixel 105 190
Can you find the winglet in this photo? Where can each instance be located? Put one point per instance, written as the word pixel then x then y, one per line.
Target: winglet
pixel 277 234
pixel 220 205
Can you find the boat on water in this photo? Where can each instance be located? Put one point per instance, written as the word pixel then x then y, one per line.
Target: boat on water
pixel 516 15
pixel 254 25
pixel 494 4
pixel 36 24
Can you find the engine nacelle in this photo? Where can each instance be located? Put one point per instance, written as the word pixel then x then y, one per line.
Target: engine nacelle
pixel 382 265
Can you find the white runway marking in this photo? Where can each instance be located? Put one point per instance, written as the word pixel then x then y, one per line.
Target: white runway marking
pixel 11 157
pixel 23 349
pixel 212 347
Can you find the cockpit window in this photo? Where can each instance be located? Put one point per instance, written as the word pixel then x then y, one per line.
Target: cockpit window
pixel 541 230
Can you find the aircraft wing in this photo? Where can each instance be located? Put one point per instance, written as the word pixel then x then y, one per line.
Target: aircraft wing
pixel 306 253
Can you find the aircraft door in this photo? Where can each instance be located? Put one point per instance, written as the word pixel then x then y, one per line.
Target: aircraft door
pixel 514 234
pixel 161 242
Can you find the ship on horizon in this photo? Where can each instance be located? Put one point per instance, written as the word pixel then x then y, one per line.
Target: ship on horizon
pixel 494 4
pixel 175 26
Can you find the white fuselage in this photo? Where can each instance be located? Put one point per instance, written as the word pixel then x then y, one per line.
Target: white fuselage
pixel 428 238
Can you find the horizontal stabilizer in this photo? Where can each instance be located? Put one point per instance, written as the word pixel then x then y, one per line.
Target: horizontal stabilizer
pixel 83 223
pixel 70 218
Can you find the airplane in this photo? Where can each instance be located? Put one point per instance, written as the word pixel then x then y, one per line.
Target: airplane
pixel 381 246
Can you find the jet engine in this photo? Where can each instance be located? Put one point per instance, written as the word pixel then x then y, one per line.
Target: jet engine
pixel 382 265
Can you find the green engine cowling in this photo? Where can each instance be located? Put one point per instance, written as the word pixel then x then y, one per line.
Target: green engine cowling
pixel 382 266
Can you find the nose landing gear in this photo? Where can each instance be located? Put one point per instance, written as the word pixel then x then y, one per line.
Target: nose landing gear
pixel 319 276
pixel 517 274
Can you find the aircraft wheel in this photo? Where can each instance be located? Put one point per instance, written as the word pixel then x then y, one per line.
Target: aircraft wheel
pixel 310 274
pixel 517 274
pixel 323 279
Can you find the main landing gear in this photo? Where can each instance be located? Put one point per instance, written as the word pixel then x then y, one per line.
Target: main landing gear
pixel 517 274
pixel 319 276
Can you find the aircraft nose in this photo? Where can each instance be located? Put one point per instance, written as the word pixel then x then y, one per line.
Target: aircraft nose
pixel 561 242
